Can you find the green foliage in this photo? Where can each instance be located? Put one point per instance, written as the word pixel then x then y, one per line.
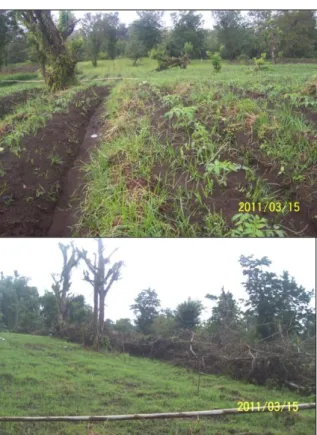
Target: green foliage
pixel 19 304
pixel 123 325
pixel 158 52
pixel 187 30
pixel 146 308
pixel 188 48
pixel 226 313
pixel 216 62
pixel 243 59
pixel 220 169
pixel 135 50
pixel 147 29
pixel 187 314
pixel 277 304
pixel 260 63
pixel 250 225
pixel 164 326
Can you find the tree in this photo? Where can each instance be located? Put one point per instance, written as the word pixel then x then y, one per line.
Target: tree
pixel 278 304
pixel 62 283
pixel 66 23
pixel 135 49
pixel 20 310
pixel 164 325
pixel 268 31
pixel 226 313
pixel 231 32
pixel 146 309
pixel 188 48
pixel 123 325
pixel 61 70
pixel 147 29
pixel 298 36
pixel 94 30
pixel 9 30
pixel 187 28
pixel 102 280
pixel 187 314
pixel 111 24
pixel 49 310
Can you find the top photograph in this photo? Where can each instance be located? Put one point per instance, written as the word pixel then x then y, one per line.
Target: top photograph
pixel 157 123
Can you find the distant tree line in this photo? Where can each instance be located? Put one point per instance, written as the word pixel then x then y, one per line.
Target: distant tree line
pixel 290 34
pixel 275 304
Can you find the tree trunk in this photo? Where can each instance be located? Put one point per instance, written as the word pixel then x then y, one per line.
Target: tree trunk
pixel 61 71
pixel 273 49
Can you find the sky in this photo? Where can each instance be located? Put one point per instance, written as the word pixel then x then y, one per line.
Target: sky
pixel 175 268
pixel 128 17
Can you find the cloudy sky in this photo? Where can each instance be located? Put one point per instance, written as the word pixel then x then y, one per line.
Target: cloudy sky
pixel 128 17
pixel 175 268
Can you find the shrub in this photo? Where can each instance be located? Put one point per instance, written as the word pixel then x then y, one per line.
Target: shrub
pixel 103 56
pixel 243 59
pixel 260 63
pixel 216 61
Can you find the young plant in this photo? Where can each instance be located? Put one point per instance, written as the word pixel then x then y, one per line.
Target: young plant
pixel 249 225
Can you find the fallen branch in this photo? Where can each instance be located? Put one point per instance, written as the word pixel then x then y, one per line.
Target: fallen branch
pixel 192 414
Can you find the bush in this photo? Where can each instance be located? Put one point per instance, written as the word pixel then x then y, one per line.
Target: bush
pixel 243 59
pixel 216 61
pixel 260 63
pixel 103 56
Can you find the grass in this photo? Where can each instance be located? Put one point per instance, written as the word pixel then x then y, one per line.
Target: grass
pixel 181 150
pixel 174 140
pixel 46 376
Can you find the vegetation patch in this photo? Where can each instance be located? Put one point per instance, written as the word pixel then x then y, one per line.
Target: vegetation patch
pixel 100 393
pixel 202 159
pixel 39 142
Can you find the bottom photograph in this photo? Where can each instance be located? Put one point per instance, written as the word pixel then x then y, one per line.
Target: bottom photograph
pixel 157 336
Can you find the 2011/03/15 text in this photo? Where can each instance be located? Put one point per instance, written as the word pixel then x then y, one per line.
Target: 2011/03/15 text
pixel 270 406
pixel 272 207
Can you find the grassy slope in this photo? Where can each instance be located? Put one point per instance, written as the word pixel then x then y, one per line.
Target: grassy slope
pixel 45 376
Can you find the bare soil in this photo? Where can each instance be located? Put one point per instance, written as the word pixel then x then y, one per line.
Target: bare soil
pixel 8 103
pixel 33 184
pixel 225 199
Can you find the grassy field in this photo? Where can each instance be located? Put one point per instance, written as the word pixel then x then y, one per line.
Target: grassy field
pixel 187 152
pixel 46 376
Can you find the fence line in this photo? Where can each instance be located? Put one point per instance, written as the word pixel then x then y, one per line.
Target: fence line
pixel 192 414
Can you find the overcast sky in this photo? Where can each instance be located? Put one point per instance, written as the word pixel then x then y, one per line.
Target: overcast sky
pixel 175 268
pixel 128 17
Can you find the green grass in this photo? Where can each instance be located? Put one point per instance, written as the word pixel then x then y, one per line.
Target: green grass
pixel 187 122
pixel 46 376
pixel 174 140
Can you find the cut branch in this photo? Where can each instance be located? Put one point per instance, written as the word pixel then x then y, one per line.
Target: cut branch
pixel 191 414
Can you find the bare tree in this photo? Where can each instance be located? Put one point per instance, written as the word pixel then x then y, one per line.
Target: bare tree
pixel 101 278
pixel 62 281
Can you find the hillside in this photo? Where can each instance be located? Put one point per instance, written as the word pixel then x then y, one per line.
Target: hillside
pixel 46 376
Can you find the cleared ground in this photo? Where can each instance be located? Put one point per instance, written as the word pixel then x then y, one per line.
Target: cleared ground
pixel 45 376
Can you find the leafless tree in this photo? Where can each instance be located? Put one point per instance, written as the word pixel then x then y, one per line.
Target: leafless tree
pixel 101 276
pixel 62 281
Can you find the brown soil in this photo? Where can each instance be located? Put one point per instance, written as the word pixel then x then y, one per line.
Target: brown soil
pixel 8 103
pixel 33 184
pixel 225 199
pixel 67 209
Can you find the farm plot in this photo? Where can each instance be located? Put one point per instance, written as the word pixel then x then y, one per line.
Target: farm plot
pixel 207 158
pixel 38 145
